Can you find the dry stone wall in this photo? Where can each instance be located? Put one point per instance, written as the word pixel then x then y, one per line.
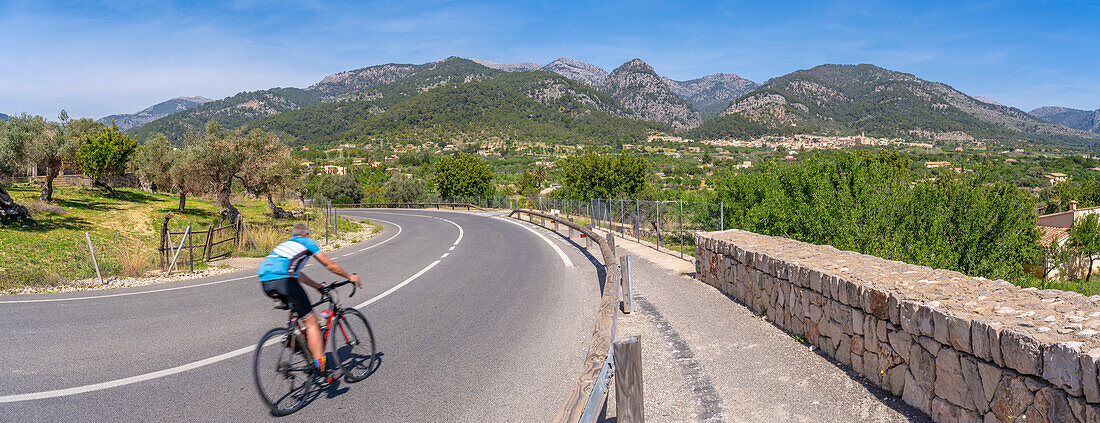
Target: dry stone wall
pixel 962 349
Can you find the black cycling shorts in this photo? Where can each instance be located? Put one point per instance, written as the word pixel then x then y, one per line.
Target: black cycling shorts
pixel 290 291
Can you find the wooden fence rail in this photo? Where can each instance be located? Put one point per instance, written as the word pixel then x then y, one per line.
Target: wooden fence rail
pixel 207 240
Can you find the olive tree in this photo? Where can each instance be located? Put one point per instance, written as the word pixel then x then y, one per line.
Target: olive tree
pixel 463 174
pixel 266 167
pixel 15 137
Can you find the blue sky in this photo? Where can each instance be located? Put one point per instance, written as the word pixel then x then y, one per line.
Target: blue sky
pixel 95 59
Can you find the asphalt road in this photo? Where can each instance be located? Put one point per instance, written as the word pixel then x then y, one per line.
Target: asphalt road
pixel 491 330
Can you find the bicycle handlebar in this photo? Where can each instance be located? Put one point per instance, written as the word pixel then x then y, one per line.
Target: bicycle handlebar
pixel 334 285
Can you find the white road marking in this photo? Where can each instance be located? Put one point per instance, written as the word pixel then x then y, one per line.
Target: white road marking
pixel 194 365
pixel 444 255
pixel 564 258
pixel 124 294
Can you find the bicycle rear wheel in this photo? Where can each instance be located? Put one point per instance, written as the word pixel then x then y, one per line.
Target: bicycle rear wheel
pixel 283 371
pixel 353 345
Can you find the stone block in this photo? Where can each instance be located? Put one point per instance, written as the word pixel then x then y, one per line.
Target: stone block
pixel 950 383
pixel 1011 400
pixel 900 341
pixel 1089 385
pixel 893 307
pixel 857 344
pixel 842 349
pixel 959 330
pixel 858 321
pixel 894 379
pixel 879 305
pixel 1062 366
pixel 991 378
pixel 917 395
pixel 943 412
pixel 1021 352
pixel 815 281
pixel 908 315
pixel 1050 406
pixel 973 378
pixel 922 365
pixel 941 332
pixel 857 362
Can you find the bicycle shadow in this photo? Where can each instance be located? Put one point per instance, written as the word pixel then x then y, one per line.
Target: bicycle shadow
pixel 336 388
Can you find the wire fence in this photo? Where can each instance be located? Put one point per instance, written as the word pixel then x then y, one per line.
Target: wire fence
pixel 666 225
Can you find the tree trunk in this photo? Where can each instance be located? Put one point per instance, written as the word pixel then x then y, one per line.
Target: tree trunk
pixel 102 183
pixel 52 169
pixel 228 212
pixel 277 211
pixel 10 209
pixel 183 200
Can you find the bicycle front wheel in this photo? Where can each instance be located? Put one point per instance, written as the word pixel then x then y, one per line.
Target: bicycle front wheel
pixel 353 345
pixel 283 371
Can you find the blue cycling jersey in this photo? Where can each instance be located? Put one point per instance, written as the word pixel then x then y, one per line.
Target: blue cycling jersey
pixel 288 258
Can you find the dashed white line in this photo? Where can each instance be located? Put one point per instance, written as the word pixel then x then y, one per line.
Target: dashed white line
pixel 194 365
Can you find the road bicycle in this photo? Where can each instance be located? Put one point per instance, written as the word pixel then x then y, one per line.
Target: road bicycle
pixel 283 367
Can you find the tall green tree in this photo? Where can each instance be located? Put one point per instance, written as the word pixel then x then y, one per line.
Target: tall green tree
pixel 402 189
pixel 592 175
pixel 1084 236
pixel 106 153
pixel 463 174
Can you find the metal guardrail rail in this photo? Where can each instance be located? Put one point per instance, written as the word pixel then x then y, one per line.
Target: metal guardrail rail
pixel 585 400
pixel 468 206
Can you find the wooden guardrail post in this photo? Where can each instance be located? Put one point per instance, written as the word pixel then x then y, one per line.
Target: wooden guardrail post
pixel 570 229
pixel 587 239
pixel 611 240
pixel 629 398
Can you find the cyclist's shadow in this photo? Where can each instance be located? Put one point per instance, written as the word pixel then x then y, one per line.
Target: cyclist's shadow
pixel 339 387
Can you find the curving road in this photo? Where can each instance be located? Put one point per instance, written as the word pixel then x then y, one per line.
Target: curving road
pixel 477 318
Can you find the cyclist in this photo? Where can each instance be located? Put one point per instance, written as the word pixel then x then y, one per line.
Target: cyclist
pixel 281 277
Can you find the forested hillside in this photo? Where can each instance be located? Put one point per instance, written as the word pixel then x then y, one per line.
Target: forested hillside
pixel 229 112
pixel 869 99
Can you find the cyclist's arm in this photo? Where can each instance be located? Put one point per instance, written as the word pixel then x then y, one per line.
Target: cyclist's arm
pixel 335 268
pixel 302 278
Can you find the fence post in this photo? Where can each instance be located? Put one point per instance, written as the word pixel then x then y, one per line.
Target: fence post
pixel 722 215
pixel 681 228
pixel 629 398
pixel 627 289
pixel 637 220
pixel 209 250
pixel 190 251
pixel 94 261
pixel 657 226
pixel 164 241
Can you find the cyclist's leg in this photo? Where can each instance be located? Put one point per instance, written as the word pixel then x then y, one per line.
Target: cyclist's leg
pixel 313 337
pixel 298 301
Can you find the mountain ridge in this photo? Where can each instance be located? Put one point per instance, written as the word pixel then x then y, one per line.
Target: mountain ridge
pixel 577 70
pixel 711 94
pixel 869 99
pixel 1085 120
pixel 638 87
pixel 132 120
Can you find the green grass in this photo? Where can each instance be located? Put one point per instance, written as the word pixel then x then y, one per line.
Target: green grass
pixel 124 230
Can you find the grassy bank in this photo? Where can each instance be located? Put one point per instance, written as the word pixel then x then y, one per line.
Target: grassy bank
pixel 124 230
